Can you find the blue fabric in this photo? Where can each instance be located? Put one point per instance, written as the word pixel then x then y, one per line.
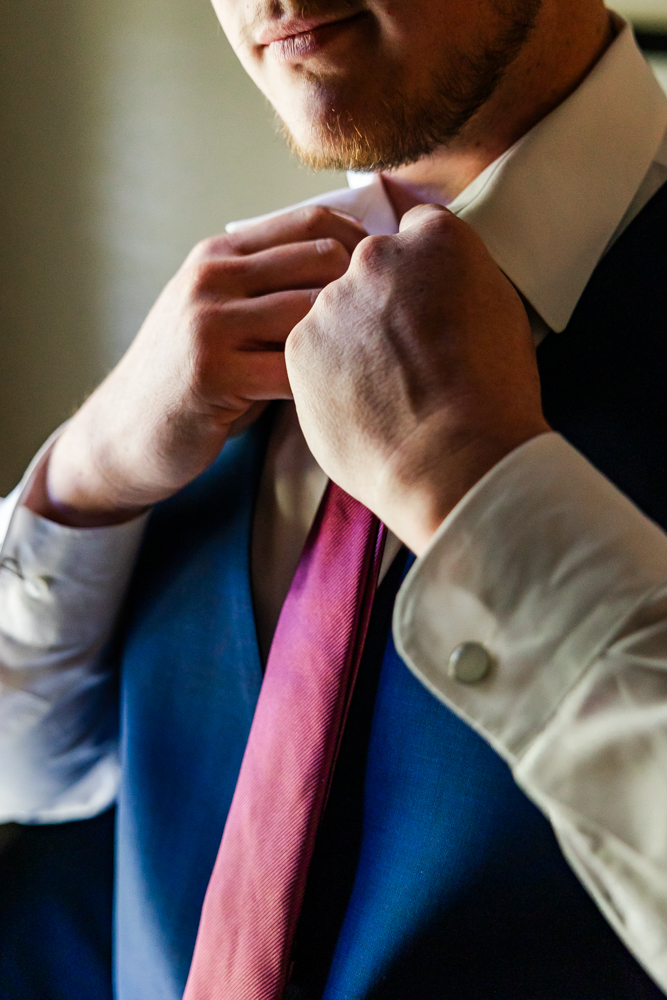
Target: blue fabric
pixel 55 912
pixel 460 883
pixel 437 877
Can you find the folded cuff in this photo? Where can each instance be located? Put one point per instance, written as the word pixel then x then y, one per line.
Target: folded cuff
pixel 542 563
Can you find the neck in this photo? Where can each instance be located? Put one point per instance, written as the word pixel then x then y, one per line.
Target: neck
pixel 568 40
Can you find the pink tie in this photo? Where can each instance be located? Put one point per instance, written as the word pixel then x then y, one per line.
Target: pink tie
pixel 256 889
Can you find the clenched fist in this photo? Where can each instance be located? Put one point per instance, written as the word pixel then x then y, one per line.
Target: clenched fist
pixel 210 353
pixel 414 373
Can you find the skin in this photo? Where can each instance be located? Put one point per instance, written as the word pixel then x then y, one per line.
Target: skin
pixel 409 412
pixel 409 357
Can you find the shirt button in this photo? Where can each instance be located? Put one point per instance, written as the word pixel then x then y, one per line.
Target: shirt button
pixel 469 663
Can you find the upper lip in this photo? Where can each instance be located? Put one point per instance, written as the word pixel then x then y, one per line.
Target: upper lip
pixel 280 30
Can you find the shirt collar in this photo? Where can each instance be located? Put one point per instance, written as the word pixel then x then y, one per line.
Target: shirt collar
pixel 548 208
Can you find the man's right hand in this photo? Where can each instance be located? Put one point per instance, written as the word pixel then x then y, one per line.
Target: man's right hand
pixel 209 355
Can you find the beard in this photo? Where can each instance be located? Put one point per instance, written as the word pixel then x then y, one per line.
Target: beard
pixel 399 129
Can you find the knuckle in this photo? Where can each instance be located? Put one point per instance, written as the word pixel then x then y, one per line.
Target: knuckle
pixel 328 301
pixel 445 227
pixel 293 346
pixel 293 341
pixel 203 280
pixel 332 249
pixel 231 244
pixel 211 246
pixel 199 252
pixel 432 219
pixel 314 218
pixel 299 334
pixel 444 222
pixel 327 296
pixel 374 251
pixel 211 277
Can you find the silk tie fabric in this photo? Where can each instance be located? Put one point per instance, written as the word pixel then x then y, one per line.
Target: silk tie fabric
pixel 256 889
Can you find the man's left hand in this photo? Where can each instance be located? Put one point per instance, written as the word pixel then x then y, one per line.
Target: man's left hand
pixel 415 372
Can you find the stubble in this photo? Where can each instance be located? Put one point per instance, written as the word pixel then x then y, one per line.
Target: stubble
pixel 395 129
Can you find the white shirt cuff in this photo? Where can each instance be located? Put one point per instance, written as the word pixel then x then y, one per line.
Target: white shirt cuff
pixel 541 563
pixel 60 592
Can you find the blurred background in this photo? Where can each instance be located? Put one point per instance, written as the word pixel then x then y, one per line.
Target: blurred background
pixel 129 132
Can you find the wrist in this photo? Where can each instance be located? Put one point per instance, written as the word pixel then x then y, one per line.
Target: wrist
pixel 94 477
pixel 425 491
pixel 68 495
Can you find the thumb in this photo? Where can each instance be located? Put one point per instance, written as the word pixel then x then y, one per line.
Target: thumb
pixel 421 215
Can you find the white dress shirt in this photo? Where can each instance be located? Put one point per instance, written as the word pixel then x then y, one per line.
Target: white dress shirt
pixel 543 562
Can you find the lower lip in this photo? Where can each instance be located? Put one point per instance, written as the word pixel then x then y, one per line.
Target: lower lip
pixel 295 48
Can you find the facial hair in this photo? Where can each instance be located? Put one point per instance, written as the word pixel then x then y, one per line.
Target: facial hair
pixel 400 130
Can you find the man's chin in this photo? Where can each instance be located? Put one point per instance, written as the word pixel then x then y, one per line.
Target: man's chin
pixel 340 144
pixel 329 155
pixel 371 128
pixel 329 132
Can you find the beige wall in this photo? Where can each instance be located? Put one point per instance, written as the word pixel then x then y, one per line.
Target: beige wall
pixel 647 14
pixel 128 132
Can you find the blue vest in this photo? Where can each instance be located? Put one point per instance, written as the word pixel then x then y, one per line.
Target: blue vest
pixel 434 876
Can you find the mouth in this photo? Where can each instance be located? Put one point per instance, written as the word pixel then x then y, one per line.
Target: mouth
pixel 296 38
